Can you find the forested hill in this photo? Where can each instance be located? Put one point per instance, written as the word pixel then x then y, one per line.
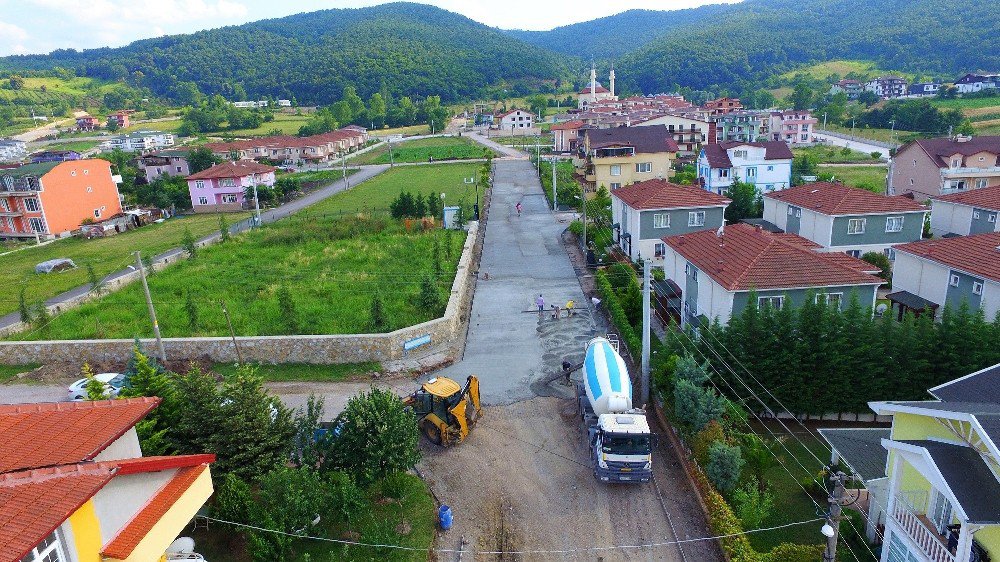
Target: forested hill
pixel 399 49
pixel 613 36
pixel 760 38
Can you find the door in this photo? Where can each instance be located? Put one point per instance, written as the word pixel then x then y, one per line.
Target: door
pixel 940 512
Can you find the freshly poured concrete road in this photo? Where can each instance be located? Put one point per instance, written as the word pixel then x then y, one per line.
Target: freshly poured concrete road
pixel 507 345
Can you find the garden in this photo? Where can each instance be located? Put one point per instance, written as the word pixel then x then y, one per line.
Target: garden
pixel 423 150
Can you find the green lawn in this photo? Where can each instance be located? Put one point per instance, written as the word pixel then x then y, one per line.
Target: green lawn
pixel 298 371
pixel 836 155
pixel 17 270
pixel 407 131
pixel 857 175
pixel 420 150
pixel 78 146
pixel 169 126
pixel 883 135
pixel 330 267
pixel 286 124
pixel 408 507
pixel 8 372
pixel 821 70
pixel 967 103
pixel 379 192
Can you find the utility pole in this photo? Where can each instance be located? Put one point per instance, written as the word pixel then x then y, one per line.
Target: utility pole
pixel 583 201
pixel 149 304
pixel 646 275
pixel 832 527
pixel 343 163
pixel 892 132
pixel 554 203
pixel 232 333
pixel 256 203
pixel 824 120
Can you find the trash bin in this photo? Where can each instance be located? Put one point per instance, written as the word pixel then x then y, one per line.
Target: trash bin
pixel 445 517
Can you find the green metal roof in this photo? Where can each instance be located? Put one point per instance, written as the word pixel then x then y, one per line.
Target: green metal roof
pixel 37 170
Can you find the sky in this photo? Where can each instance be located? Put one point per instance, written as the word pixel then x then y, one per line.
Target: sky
pixel 39 26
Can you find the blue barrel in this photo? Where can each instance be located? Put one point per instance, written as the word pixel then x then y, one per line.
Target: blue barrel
pixel 444 516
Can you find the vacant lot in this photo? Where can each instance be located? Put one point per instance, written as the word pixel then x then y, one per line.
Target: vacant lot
pixel 822 70
pixel 883 135
pixel 837 155
pixel 105 255
pixel 421 150
pixel 870 176
pixel 968 105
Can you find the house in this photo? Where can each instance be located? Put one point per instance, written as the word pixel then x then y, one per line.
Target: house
pixel 718 271
pixel 565 136
pixel 858 451
pixel 927 168
pixel 689 132
pixel 13 150
pixel 52 198
pixel 792 126
pixel 923 89
pixel 643 213
pixel 223 186
pixel 595 92
pixel 74 485
pixel 942 493
pixel 946 271
pixel 142 141
pixel 972 83
pixel 768 165
pixel 846 219
pixel 121 118
pixel 294 150
pixel 514 119
pixel 887 87
pixel 744 126
pixel 55 156
pixel 852 88
pixel 284 103
pixel 172 162
pixel 251 104
pixel 623 155
pixel 723 106
pixel 87 123
pixel 966 212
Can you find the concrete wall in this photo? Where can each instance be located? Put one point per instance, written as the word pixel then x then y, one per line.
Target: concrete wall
pixel 319 349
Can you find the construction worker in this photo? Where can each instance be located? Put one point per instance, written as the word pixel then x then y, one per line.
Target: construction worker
pixel 569 307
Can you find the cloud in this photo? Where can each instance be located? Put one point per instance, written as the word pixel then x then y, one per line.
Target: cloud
pixel 12 39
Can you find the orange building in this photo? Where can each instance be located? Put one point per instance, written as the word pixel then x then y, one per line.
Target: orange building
pixel 52 198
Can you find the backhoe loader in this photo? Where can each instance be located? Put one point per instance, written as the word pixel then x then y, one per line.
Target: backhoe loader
pixel 445 411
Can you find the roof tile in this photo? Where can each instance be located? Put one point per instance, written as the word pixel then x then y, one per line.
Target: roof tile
pixel 978 254
pixel 661 194
pixel 839 199
pixel 985 198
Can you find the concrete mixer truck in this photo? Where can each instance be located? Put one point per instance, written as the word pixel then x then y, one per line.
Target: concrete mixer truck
pixel 618 435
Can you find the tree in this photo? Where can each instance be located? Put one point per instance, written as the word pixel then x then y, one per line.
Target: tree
pixel 724 466
pixel 253 432
pixel 378 436
pixel 801 96
pixel 223 228
pixel 354 103
pixel 377 110
pixel 881 261
pixel 286 310
pixel 436 257
pixel 145 377
pixel 694 405
pixel 22 307
pixel 429 298
pixel 189 244
pixel 96 283
pixel 113 125
pixel 868 98
pixel 191 309
pixel 378 319
pixel 711 433
pixel 94 389
pixel 752 504
pixel 437 116
pixel 746 202
pixel 537 104
pixel 16 82
pixel 200 159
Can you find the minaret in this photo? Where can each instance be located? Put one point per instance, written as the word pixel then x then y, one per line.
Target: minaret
pixel 593 83
pixel 611 79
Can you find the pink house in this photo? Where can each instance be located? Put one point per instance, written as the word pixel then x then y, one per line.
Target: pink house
pixel 222 187
pixel 792 126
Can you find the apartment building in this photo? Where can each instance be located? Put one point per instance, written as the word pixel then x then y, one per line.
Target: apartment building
pixel 768 165
pixel 927 168
pixel 792 126
pixel 620 156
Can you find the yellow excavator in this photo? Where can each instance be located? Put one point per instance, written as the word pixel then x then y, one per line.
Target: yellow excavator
pixel 445 411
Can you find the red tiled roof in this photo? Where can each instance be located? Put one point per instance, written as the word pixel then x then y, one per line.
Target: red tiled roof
pixel 839 199
pixel 978 254
pixel 34 502
pixel 600 90
pixel 718 157
pixel 746 258
pixel 941 149
pixel 985 198
pixel 239 169
pixel 49 434
pixel 575 124
pixel 661 194
pixel 134 531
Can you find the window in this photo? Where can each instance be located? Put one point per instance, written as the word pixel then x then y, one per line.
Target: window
pixel 227 182
pixel 954 280
pixel 178 169
pixel 853 253
pixel 890 253
pixel 769 187
pixel 203 200
pixel 724 173
pixel 229 198
pixel 751 172
pixel 615 186
pixel 36 225
pixel 616 170
pixel 856 226
pixel 696 218
pixel 975 214
pixel 659 250
pixel 49 550
pixel 956 162
pixel 31 205
pixel 199 184
pixel 770 302
pixel 791 211
pixel 4 206
pixel 977 288
pixel 97 213
pixel 661 220
pixel 981 183
pixel 894 224
pixel 832 300
pixel 644 167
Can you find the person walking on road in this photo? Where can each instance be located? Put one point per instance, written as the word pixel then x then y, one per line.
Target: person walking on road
pixel 518 207
pixel 540 303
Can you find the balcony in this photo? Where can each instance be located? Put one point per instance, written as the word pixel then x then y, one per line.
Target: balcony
pixel 910 513
pixel 24 187
pixel 11 213
pixel 623 152
pixel 983 172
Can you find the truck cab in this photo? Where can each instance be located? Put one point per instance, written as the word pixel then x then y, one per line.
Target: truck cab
pixel 621 446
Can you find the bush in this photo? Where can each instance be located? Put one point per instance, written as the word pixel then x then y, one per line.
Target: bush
pixel 881 261
pixel 701 443
pixel 626 332
pixel 725 463
pixel 788 552
pixel 876 155
pixel 753 505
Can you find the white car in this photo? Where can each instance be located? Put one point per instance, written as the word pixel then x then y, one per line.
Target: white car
pixel 113 383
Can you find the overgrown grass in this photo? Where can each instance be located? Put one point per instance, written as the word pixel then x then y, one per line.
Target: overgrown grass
pixel 409 130
pixel 329 268
pixel 835 155
pixel 378 192
pixel 8 372
pixel 310 178
pixel 169 126
pixel 286 124
pixel 78 146
pixel 857 175
pixel 967 103
pixel 882 135
pixel 821 70
pixel 17 269
pixel 300 371
pixel 421 150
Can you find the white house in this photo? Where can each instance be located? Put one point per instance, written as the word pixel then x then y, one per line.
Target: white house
pixel 966 212
pixel 514 119
pixel 142 141
pixel 13 150
pixel 934 273
pixel 972 83
pixel 846 219
pixel 284 103
pixel 768 165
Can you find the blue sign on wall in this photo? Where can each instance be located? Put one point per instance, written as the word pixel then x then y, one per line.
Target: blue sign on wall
pixel 416 342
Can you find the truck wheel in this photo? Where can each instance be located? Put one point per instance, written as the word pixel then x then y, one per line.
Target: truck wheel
pixel 431 431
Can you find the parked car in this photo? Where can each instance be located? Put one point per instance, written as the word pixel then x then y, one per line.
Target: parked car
pixel 113 383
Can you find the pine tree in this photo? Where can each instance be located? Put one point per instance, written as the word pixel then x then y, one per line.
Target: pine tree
pixel 378 321
pixel 192 312
pixel 42 318
pixel 436 257
pixel 96 283
pixel 23 308
pixel 429 298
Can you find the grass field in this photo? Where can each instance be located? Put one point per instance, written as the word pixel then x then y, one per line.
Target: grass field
pixel 380 191
pixel 106 255
pixel 420 150
pixel 821 70
pixel 966 104
pixel 857 175
pixel 298 371
pixel 78 146
pixel 170 126
pixel 883 135
pixel 8 372
pixel 408 131
pixel 287 124
pixel 46 90
pixel 835 155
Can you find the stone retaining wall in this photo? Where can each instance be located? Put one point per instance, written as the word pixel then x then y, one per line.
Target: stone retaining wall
pixel 321 349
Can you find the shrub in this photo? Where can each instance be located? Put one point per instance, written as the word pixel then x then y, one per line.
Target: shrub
pixel 286 310
pixel 711 433
pixel 618 317
pixel 378 319
pixel 881 261
pixel 876 155
pixel 789 552
pixel 753 505
pixel 188 243
pixel 725 463
pixel 429 297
